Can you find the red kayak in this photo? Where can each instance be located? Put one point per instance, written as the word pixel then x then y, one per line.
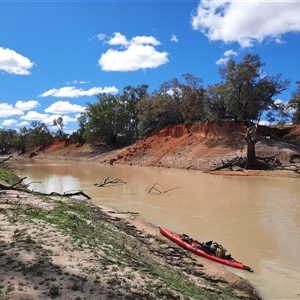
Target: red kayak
pixel 209 250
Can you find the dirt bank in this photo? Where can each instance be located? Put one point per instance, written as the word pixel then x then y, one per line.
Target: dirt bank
pixel 201 146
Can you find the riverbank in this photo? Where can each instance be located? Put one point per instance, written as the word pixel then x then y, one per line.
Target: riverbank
pixel 201 146
pixel 52 247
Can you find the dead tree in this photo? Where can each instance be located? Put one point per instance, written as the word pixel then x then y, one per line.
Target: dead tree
pixel 251 157
pixel 251 161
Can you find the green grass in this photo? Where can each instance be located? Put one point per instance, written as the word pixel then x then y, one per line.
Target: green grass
pixel 8 176
pixel 83 223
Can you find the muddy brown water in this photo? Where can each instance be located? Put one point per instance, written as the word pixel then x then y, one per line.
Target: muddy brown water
pixel 256 219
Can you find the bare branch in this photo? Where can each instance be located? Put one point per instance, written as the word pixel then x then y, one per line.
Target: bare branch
pixel 6 159
pixel 106 182
pixel 159 191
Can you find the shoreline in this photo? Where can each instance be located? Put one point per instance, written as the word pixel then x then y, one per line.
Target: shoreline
pixel 25 247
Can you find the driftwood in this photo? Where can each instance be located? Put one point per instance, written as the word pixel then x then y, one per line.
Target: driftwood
pixel 153 188
pixel 237 161
pixel 251 161
pixel 65 194
pixel 12 187
pixel 123 212
pixel 263 163
pixel 106 182
pixel 6 159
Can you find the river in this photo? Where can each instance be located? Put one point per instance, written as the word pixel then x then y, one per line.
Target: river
pixel 257 219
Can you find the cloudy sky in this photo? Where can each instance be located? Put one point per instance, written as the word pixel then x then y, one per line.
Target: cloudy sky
pixel 56 57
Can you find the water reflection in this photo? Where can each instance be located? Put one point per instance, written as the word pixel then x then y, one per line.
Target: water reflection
pixel 257 219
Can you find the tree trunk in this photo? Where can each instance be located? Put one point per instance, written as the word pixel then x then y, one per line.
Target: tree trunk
pixel 251 157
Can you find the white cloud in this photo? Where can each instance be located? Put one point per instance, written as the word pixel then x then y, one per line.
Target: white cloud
pixel 118 39
pixel 101 36
pixel 9 122
pixel 26 105
pixel 45 118
pixel 137 53
pixel 23 123
pixel 73 92
pixel 226 55
pixel 7 110
pixel 174 38
pixel 79 82
pixel 64 107
pixel 264 123
pixel 246 22
pixel 14 63
pixel 222 61
pixel 66 120
pixel 34 116
pixel 230 53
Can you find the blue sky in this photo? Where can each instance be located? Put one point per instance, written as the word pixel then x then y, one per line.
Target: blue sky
pixel 56 56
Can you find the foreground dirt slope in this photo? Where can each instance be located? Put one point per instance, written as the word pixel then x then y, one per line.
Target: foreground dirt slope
pixel 54 248
pixel 200 146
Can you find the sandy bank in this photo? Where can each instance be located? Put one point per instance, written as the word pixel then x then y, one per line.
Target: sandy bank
pixel 39 260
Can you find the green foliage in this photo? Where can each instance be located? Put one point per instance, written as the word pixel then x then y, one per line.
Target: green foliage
pixel 113 118
pixel 157 111
pixel 247 92
pixel 7 139
pixel 174 103
pixel 39 135
pixel 215 102
pixel 294 104
pixel 106 118
pixel 130 97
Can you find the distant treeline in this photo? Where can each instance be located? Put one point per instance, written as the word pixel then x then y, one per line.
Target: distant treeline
pixel 244 94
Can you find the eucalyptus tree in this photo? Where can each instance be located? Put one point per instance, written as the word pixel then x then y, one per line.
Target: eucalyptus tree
pixel 114 118
pixel 248 92
pixel 193 99
pixel 294 104
pixel 77 136
pixel 23 139
pixel 103 118
pixel 157 110
pixel 173 103
pixel 130 97
pixel 40 135
pixel 188 98
pixel 59 124
pixel 215 103
pixel 7 138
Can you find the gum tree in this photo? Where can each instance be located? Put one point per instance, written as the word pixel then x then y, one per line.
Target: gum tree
pixel 294 104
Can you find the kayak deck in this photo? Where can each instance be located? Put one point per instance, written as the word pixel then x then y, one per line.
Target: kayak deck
pixel 201 249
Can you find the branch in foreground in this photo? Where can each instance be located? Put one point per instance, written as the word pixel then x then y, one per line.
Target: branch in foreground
pixel 6 159
pixel 66 194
